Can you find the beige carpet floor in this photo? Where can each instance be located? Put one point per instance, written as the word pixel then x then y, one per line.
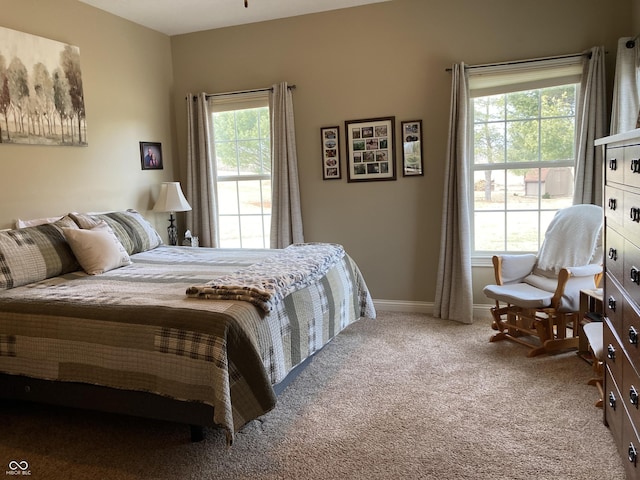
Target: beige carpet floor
pixel 405 396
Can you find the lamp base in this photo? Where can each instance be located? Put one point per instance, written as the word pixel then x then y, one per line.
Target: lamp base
pixel 172 230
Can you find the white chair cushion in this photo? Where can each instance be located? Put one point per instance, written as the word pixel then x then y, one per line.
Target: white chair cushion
pixel 593 332
pixel 521 294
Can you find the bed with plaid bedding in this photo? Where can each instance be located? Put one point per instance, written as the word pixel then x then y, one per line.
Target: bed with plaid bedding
pixel 135 328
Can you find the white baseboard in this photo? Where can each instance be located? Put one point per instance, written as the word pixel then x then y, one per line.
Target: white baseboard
pixel 481 311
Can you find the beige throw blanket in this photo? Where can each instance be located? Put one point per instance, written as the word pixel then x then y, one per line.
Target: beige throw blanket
pixel 266 283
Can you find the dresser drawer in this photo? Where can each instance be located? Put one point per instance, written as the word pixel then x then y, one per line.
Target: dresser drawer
pixel 630 391
pixel 631 274
pixel 631 214
pixel 614 356
pixel 630 332
pixel 614 261
pixel 614 206
pixel 613 302
pixel 631 166
pixel 614 411
pixel 630 450
pixel 614 166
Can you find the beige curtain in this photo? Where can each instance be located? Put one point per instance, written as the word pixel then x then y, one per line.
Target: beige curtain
pixel 591 120
pixel 286 214
pixel 454 297
pixel 201 190
pixel 626 88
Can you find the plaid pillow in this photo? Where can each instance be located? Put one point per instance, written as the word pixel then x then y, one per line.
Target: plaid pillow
pixel 32 254
pixel 134 232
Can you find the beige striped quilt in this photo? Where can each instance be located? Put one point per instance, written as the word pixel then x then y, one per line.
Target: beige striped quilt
pixel 135 328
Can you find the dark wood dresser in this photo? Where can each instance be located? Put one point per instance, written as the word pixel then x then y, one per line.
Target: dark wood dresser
pixel 622 294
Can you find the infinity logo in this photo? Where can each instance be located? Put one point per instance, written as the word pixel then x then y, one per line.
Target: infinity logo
pixel 23 465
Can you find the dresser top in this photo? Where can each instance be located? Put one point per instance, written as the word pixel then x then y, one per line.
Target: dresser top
pixel 619 137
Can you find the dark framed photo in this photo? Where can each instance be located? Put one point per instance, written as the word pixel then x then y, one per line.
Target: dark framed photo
pixel 412 163
pixel 370 147
pixel 151 156
pixel 330 140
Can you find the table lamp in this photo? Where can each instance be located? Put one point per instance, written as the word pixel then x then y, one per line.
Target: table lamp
pixel 171 199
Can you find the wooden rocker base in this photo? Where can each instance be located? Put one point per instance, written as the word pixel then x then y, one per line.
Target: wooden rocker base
pixel 548 346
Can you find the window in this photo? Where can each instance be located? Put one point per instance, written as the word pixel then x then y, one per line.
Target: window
pixel 241 139
pixel 522 136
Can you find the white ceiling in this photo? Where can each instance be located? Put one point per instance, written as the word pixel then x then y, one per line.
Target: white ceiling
pixel 174 17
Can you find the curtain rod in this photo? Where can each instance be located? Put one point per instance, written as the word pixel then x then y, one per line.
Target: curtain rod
pixel 532 60
pixel 270 89
pixel 208 95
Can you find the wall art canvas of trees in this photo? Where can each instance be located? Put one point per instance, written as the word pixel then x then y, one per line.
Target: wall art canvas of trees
pixel 41 96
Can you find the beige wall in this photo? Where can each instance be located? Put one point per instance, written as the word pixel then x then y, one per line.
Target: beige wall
pixel 379 60
pixel 128 86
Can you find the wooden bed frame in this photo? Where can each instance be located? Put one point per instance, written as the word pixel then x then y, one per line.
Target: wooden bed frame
pixel 126 402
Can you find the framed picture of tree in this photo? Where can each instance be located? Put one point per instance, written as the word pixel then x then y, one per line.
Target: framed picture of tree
pixel 412 163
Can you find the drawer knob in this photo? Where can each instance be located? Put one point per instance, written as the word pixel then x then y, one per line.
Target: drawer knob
pixel 633 335
pixel 633 453
pixel 611 353
pixel 633 396
pixel 613 254
pixel 612 203
pixel 634 214
pixel 634 275
pixel 635 165
pixel 612 400
pixel 612 304
pixel 613 164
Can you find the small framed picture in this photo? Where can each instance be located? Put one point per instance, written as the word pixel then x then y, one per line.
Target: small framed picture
pixel 330 143
pixel 151 156
pixel 412 163
pixel 370 147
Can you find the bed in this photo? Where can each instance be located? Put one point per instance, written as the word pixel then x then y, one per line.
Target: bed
pixel 202 336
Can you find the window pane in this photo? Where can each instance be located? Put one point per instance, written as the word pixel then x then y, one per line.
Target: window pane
pixel 488 189
pixel 558 101
pixel 228 198
pixel 489 231
pixel 557 139
pixel 224 126
pixel 250 162
pixel 521 105
pixel 486 109
pixel 522 141
pixel 557 187
pixel 247 123
pixel 250 197
pixel 522 191
pixel 522 232
pixel 488 143
pixel 252 233
pixel 266 197
pixel 229 232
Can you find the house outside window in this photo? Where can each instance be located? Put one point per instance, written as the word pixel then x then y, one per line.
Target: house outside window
pixel 522 134
pixel 242 141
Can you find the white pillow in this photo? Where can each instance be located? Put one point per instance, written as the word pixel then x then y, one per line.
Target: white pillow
pixel 98 250
pixel 34 222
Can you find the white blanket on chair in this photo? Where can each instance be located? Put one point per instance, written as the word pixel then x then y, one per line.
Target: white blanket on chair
pixel 573 239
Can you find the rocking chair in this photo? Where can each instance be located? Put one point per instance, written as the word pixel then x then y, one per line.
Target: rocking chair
pixel 537 295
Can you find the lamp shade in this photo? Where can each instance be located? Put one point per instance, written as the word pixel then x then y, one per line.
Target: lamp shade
pixel 171 199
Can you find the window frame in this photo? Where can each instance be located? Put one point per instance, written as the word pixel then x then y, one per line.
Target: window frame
pixel 502 79
pixel 233 103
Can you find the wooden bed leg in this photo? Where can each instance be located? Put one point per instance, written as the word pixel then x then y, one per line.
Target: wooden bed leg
pixel 197 433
